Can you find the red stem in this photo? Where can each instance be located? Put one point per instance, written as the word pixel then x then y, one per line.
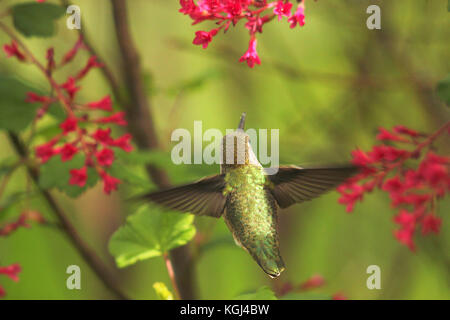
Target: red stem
pixel 171 275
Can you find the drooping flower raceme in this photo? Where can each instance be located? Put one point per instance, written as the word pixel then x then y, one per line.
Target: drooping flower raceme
pixel 83 131
pixel 255 14
pixel 414 176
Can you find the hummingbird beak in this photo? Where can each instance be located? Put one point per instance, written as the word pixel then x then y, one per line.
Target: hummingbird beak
pixel 242 122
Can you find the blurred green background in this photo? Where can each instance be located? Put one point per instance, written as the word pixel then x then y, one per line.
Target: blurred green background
pixel 327 86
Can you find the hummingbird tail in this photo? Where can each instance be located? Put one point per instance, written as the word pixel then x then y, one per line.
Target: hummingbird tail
pixel 269 259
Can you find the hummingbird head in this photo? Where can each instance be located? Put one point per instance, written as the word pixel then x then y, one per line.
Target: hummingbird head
pixel 236 147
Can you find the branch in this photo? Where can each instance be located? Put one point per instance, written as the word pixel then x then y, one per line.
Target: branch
pixel 96 264
pixel 141 125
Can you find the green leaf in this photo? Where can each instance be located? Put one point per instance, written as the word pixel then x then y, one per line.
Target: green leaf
pixel 56 174
pixel 36 19
pixel 263 293
pixel 47 132
pixel 120 171
pixel 56 111
pixel 443 90
pixel 15 113
pixel 305 296
pixel 162 292
pixel 150 233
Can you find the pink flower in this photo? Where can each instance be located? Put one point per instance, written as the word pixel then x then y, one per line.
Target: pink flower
pixel 123 142
pixel 251 56
pixel 109 183
pixel 68 151
pixel 50 59
pixel 105 157
pixel 11 271
pixel 282 9
pixel 72 52
pixel 360 158
pixel 297 17
pixel 69 125
pixel 405 219
pixel 45 151
pixel 13 226
pixel 387 153
pixel 70 87
pixel 386 135
pixel 431 223
pixel 103 104
pixel 405 236
pixel 255 24
pixel 203 38
pixel 393 185
pixel 103 136
pixel 12 50
pixel 92 63
pixel 33 97
pixel 406 131
pixel 350 199
pixel 117 118
pixel 78 177
pixel 187 6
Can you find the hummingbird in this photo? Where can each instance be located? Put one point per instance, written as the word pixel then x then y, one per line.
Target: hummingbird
pixel 248 199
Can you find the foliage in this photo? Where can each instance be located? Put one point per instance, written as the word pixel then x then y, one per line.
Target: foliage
pixel 162 292
pixel 34 19
pixel 150 233
pixel 15 113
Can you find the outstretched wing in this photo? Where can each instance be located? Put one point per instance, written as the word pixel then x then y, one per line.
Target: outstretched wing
pixel 292 184
pixel 203 197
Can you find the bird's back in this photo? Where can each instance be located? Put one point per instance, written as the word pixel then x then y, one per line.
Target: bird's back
pixel 251 215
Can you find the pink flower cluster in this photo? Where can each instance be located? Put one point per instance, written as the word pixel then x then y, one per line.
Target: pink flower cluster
pixel 255 13
pixel 413 190
pixel 81 132
pixel 11 272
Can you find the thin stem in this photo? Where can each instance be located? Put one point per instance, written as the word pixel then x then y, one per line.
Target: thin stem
pixel 171 275
pixel 432 137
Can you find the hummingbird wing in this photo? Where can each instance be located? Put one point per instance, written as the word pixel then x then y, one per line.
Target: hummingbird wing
pixel 292 184
pixel 203 197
